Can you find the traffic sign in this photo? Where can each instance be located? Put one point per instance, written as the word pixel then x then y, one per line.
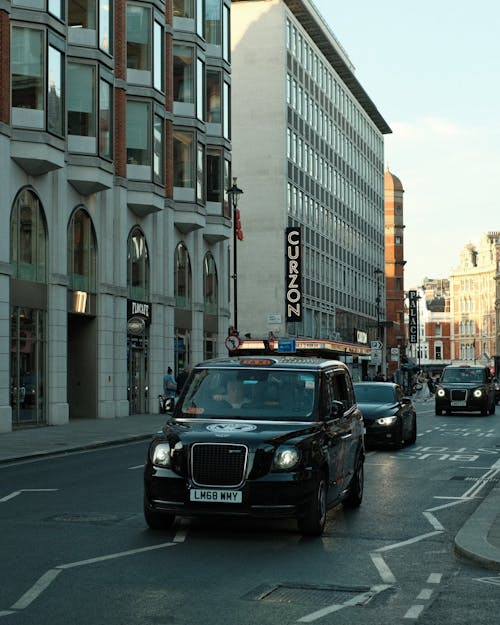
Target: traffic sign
pixel 376 344
pixel 287 346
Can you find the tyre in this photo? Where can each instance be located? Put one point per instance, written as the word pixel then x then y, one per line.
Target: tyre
pixel 157 520
pixel 485 411
pixel 438 412
pixel 312 522
pixel 493 407
pixel 356 488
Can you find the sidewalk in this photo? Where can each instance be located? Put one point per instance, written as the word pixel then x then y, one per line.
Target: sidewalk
pixel 478 540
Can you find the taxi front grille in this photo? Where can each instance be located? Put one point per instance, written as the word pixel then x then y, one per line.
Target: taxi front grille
pixel 458 395
pixel 220 464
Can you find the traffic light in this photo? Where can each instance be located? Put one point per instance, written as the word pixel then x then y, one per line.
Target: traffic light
pixel 237 225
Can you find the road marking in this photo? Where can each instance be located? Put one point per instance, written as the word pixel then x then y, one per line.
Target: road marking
pixel 49 576
pixel 435 578
pixel 36 590
pixel 138 466
pixel 16 493
pixel 382 568
pixel 414 612
pixel 335 607
pixel 425 594
pixel 433 521
pixel 410 541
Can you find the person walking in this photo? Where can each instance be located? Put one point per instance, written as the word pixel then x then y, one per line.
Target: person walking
pixel 169 384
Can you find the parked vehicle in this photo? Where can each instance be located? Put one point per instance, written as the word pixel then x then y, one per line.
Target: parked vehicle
pixel 256 437
pixel 465 388
pixel 390 418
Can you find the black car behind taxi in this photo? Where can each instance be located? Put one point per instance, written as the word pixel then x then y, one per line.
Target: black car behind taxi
pixel 258 437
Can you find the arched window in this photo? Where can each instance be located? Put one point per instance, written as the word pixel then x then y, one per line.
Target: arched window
pixel 182 283
pixel 82 253
pixel 210 286
pixel 137 266
pixel 28 238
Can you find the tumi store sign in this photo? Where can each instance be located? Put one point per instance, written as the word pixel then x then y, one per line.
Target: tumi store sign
pixel 138 316
pixel 293 274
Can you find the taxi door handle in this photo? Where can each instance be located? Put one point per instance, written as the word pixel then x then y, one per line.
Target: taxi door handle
pixel 345 436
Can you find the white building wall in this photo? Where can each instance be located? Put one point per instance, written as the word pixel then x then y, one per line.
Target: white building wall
pixel 259 160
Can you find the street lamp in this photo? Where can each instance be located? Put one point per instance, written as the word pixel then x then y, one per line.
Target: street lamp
pixel 234 193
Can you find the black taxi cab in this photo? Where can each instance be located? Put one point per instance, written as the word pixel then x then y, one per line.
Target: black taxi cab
pixel 277 436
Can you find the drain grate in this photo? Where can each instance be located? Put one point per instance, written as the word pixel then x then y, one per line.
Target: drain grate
pixel 305 594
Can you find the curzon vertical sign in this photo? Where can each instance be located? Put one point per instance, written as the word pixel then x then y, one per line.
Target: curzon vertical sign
pixel 293 274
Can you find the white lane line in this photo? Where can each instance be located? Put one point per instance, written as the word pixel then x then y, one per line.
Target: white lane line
pixel 139 466
pixel 433 521
pixel 357 600
pixel 36 590
pixel 410 541
pixel 435 578
pixel 49 576
pixel 425 594
pixel 414 612
pixel 113 556
pixel 26 490
pixel 382 568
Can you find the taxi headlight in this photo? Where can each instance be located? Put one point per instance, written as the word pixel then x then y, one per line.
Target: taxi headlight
pixel 160 455
pixel 386 420
pixel 478 392
pixel 440 392
pixel 285 458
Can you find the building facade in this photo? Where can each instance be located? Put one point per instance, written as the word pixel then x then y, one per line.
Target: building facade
pixel 394 272
pixel 309 155
pixel 114 155
pixel 473 302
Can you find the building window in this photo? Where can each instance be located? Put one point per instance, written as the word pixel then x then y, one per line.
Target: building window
pixel 87 19
pixel 82 108
pixel 200 89
pixel 438 351
pixel 138 266
pixel 213 99
pixel 138 44
pixel 200 174
pixel 27 69
pixel 182 278
pixel 184 80
pixel 226 37
pixel 138 128
pixel 55 108
pixel 158 54
pixel 227 112
pixel 213 22
pixel 158 148
pixel 214 176
pixel 184 165
pixel 184 8
pixel 105 119
pixel 438 329
pixel 28 238
pixel 82 254
pixel 210 285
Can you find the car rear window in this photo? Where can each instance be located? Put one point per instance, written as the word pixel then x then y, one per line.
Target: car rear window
pixel 375 393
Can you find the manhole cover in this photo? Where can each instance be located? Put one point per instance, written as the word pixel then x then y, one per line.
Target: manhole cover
pixel 308 594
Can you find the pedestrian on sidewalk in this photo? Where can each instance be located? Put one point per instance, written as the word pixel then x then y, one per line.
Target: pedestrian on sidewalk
pixel 169 384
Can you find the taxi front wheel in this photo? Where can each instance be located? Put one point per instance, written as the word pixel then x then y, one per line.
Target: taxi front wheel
pixel 312 523
pixel 156 520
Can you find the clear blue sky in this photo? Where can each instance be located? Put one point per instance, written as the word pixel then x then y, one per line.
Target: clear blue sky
pixel 432 69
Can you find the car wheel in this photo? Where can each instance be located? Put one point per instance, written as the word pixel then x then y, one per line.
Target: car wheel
pixel 413 436
pixel 438 412
pixel 312 522
pixel 448 413
pixel 157 520
pixel 484 411
pixel 400 441
pixel 356 488
pixel 493 407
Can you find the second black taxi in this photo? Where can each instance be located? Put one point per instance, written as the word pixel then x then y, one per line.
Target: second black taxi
pixel 277 436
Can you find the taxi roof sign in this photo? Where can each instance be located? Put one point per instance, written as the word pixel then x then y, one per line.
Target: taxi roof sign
pixel 257 362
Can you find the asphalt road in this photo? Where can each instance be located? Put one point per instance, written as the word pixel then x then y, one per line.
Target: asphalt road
pixel 74 546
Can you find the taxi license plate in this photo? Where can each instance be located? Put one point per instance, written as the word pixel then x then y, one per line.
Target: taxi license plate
pixel 205 495
pixel 458 403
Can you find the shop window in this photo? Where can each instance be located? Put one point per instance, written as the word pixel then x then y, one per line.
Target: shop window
pixel 28 238
pixel 137 266
pixel 182 278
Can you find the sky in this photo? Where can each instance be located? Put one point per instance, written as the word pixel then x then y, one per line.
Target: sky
pixel 432 68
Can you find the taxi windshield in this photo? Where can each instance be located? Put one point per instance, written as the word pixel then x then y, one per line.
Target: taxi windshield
pixel 260 394
pixel 466 376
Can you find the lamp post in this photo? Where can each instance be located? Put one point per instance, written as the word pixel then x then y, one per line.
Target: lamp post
pixel 234 193
pixel 378 272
